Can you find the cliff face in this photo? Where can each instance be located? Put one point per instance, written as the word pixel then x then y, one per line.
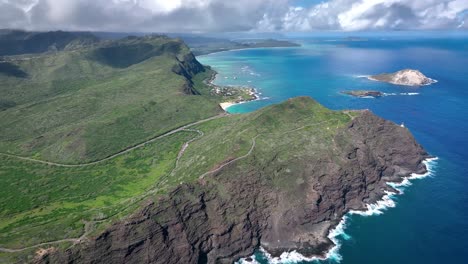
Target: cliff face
pixel 231 213
pixel 188 66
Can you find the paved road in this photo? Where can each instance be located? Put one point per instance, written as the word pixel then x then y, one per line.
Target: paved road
pixel 120 152
pixel 184 128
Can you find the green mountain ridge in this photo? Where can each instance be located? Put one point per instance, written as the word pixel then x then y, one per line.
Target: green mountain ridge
pixel 15 42
pixel 89 103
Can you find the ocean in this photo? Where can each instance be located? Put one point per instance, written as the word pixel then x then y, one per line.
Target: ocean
pixel 429 222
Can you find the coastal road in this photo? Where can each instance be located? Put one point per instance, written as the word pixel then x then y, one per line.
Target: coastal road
pixel 182 128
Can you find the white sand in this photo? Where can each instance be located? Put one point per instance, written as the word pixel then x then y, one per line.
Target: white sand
pixel 226 105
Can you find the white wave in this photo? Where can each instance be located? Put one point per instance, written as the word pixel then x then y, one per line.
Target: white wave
pixel 245 261
pixel 286 257
pixel 392 94
pixel 339 231
pixel 248 70
pixel 409 94
pixel 333 254
pixel 387 200
pixel 378 207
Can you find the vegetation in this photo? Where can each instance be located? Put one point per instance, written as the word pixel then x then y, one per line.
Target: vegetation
pixel 14 42
pixel 41 203
pixel 84 105
pixel 88 104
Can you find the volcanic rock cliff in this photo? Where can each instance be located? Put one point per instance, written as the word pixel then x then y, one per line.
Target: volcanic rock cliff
pixel 229 214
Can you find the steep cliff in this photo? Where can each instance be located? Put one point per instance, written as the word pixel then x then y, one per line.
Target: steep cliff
pixel 279 200
pixel 188 66
pixel 126 90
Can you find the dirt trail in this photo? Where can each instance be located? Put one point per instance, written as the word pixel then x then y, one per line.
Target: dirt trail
pixel 181 152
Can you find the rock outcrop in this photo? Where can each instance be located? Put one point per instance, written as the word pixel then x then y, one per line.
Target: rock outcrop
pixel 231 213
pixel 360 93
pixel 406 77
pixel 188 66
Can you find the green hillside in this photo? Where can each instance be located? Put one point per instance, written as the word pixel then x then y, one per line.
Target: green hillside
pixel 15 42
pixel 61 203
pixel 89 135
pixel 86 104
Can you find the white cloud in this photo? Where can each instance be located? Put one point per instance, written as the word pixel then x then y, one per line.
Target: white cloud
pixel 239 15
pixel 387 14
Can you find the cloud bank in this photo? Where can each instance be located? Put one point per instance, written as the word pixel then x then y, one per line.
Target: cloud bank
pixel 239 15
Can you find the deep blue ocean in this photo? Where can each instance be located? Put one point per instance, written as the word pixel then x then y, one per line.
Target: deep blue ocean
pixel 430 222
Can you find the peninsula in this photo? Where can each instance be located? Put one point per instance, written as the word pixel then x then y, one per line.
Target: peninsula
pixel 118 152
pixel 299 169
pixel 407 77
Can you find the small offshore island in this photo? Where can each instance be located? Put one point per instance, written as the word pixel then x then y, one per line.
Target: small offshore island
pixel 407 77
pixel 363 93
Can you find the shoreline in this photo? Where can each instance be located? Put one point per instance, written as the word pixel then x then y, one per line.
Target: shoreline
pixel 225 105
pixel 338 231
pixel 222 51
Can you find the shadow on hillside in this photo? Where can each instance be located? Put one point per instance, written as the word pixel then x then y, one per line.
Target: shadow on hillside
pixel 124 56
pixel 10 69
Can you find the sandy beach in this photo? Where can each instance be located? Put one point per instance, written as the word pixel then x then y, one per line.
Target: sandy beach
pixel 226 105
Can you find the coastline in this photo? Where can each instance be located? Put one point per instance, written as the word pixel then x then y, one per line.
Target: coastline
pixel 257 48
pixel 338 231
pixel 255 95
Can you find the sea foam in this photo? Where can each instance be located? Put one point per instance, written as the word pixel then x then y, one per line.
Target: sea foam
pixel 338 233
pixel 391 94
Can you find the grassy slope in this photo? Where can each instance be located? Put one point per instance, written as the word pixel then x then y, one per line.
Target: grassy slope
pixel 68 197
pixel 296 127
pixel 82 105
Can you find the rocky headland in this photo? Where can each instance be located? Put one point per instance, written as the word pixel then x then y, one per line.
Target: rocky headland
pixel 262 203
pixel 407 77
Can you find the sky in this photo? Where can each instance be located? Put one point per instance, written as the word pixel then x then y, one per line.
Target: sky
pixel 234 15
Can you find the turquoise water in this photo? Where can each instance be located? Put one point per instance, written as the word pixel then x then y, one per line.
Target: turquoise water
pixel 430 222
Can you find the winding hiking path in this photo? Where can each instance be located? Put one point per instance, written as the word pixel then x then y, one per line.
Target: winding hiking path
pixel 181 152
pixel 73 240
pixel 88 223
pixel 253 147
pixel 182 128
pixel 234 160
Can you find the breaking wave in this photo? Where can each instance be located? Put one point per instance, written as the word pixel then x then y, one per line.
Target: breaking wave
pixel 338 234
pixel 390 94
pixel 248 70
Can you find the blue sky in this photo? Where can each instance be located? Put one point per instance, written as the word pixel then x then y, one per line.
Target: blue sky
pixel 234 15
pixel 307 3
